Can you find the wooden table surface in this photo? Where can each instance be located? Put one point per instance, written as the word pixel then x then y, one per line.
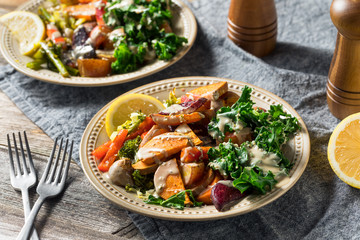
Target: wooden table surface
pixel 79 213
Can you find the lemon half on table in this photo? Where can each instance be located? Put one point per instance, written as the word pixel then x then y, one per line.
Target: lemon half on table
pixel 26 27
pixel 344 150
pixel 121 108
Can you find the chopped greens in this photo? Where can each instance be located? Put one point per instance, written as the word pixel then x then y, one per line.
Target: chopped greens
pixel 176 201
pixel 142 183
pixel 144 24
pixel 130 148
pixel 255 178
pixel 172 99
pixel 271 130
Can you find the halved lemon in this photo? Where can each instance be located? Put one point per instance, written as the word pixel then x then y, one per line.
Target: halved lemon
pixel 26 27
pixel 121 108
pixel 344 150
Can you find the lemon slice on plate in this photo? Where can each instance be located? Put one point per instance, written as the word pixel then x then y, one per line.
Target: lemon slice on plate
pixel 121 108
pixel 344 150
pixel 26 27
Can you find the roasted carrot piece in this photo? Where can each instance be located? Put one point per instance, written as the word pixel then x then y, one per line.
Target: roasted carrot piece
pixel 174 120
pixel 101 151
pixel 173 182
pixel 205 196
pixel 143 127
pixel 86 11
pixel 115 146
pixel 212 91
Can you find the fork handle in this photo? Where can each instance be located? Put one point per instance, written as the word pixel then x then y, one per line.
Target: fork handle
pixel 26 204
pixel 29 221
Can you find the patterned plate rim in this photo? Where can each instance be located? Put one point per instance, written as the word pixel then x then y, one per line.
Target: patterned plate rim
pixel 7 50
pixel 121 198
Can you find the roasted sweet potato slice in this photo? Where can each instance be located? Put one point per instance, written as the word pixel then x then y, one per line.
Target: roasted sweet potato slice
pixel 211 92
pixel 94 67
pixel 175 120
pixel 205 196
pixel 86 11
pixel 192 172
pixel 156 130
pixel 194 154
pixel 168 181
pixel 162 146
pixel 145 168
pixel 204 182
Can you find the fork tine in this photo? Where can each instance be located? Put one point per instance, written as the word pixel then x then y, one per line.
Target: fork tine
pixel 66 170
pixel 31 163
pixel 48 165
pixel 12 170
pixel 17 156
pixel 25 169
pixel 62 162
pixel 54 167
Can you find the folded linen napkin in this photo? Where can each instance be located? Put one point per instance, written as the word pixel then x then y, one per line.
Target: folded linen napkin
pixel 319 206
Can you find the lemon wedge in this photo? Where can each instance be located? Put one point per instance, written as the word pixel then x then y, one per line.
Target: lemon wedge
pixel 27 28
pixel 344 150
pixel 121 108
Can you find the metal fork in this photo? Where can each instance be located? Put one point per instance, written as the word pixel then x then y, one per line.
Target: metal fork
pixel 50 184
pixel 27 179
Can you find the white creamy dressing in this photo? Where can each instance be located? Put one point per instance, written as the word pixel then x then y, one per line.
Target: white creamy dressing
pixel 122 4
pixel 267 161
pixel 145 153
pixel 173 108
pixel 227 183
pixel 80 51
pixel 183 128
pixel 116 34
pixel 140 9
pixel 223 120
pixel 162 172
pixel 169 136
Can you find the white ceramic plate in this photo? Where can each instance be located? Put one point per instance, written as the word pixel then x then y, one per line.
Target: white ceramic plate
pixel 184 24
pixel 297 150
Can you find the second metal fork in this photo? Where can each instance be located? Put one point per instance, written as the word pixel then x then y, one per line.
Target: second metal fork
pixel 51 184
pixel 25 179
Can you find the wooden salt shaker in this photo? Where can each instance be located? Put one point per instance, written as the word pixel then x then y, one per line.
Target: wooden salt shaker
pixel 252 25
pixel 343 86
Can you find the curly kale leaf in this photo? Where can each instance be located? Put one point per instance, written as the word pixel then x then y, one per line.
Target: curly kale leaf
pixel 253 178
pixel 127 60
pixel 228 158
pixel 167 46
pixel 233 161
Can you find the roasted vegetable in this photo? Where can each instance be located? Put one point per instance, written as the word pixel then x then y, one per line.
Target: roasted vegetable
pixel 142 183
pixel 94 67
pixel 176 201
pixel 54 58
pixel 130 148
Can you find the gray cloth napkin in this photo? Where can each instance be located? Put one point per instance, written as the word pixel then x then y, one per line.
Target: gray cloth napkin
pixel 319 206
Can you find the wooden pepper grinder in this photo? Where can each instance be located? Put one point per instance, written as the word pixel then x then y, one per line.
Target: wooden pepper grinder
pixel 252 25
pixel 343 86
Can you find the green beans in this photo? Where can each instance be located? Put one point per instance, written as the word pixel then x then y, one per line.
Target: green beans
pixel 45 14
pixel 55 59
